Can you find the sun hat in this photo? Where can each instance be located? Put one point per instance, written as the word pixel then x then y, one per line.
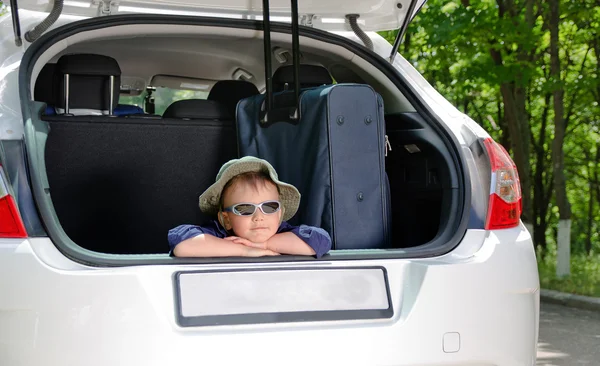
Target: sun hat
pixel 211 198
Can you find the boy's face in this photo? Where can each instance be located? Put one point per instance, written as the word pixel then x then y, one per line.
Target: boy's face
pixel 257 228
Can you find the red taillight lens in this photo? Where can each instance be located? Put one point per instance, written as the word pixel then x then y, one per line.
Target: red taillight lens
pixel 504 209
pixel 11 225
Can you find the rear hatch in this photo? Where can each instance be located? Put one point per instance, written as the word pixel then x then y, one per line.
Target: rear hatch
pixel 373 15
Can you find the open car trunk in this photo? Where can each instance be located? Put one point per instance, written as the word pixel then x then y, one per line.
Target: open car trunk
pixel 113 185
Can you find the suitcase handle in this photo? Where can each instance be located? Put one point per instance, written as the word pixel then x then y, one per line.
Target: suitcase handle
pixel 290 114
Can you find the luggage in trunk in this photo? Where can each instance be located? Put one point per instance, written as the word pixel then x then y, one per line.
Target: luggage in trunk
pixel 334 154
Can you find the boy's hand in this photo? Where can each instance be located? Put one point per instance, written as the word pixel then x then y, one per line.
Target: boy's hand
pixel 254 249
pixel 254 252
pixel 246 242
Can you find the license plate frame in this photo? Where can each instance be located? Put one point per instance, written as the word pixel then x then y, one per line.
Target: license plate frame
pixel 200 302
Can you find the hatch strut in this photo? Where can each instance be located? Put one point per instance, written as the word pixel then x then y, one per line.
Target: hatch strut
pixel 16 24
pixel 402 29
pixel 36 32
pixel 39 29
pixel 291 114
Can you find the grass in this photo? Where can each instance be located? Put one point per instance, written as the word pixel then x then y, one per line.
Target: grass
pixel 584 278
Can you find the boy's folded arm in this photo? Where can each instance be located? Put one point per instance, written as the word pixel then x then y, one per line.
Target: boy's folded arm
pixel 200 241
pixel 289 243
pixel 195 241
pixel 206 245
pixel 301 240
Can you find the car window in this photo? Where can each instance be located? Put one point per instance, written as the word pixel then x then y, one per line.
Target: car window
pixel 137 100
pixel 163 97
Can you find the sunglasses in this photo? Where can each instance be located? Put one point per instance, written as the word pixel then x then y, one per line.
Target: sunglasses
pixel 248 209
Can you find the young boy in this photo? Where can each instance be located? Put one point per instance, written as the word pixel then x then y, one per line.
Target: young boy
pixel 251 206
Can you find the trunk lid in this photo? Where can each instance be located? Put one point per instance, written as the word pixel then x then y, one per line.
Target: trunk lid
pixel 373 15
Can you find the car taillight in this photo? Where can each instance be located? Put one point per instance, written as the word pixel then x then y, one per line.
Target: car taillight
pixel 504 209
pixel 11 225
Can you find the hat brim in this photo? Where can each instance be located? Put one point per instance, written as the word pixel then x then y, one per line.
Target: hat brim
pixel 210 200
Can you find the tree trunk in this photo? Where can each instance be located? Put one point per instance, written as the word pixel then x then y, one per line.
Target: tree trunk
pixel 595 192
pixel 525 56
pixel 596 177
pixel 590 221
pixel 591 172
pixel 407 39
pixel 558 165
pixel 540 207
pixel 514 97
pixel 545 217
pixel 505 138
pixel 595 43
pixel 518 128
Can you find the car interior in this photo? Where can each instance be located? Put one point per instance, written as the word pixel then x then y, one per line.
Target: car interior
pixel 121 175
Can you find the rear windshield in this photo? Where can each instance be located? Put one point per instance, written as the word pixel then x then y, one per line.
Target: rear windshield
pixel 163 97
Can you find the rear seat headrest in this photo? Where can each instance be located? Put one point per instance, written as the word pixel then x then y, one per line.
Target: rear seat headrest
pixel 88 64
pixel 197 109
pixel 309 75
pixel 230 92
pixel 89 83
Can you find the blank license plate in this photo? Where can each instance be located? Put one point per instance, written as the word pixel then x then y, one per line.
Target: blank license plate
pixel 226 297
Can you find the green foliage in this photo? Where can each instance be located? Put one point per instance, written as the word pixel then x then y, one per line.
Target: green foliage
pixel 584 278
pixel 467 48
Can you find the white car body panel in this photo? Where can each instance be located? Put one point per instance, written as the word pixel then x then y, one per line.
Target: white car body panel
pixel 58 312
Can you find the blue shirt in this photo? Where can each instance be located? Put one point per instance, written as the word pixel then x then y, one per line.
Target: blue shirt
pixel 317 238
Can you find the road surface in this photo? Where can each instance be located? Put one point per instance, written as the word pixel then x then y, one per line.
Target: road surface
pixel 568 337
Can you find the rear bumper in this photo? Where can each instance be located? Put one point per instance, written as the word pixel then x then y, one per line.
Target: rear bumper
pixel 479 309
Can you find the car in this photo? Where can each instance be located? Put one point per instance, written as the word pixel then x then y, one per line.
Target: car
pixel 116 116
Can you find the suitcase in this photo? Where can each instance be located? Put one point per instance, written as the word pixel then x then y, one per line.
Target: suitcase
pixel 334 154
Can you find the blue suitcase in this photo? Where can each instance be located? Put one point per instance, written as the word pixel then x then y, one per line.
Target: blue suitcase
pixel 334 155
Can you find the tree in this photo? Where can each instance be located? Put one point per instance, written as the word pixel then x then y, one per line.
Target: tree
pixel 560 184
pixel 493 60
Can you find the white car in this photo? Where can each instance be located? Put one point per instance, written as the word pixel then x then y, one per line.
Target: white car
pixel 86 199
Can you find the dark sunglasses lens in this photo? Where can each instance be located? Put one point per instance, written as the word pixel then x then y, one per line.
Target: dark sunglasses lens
pixel 244 209
pixel 270 207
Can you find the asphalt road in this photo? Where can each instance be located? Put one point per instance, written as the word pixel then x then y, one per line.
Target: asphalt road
pixel 568 337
